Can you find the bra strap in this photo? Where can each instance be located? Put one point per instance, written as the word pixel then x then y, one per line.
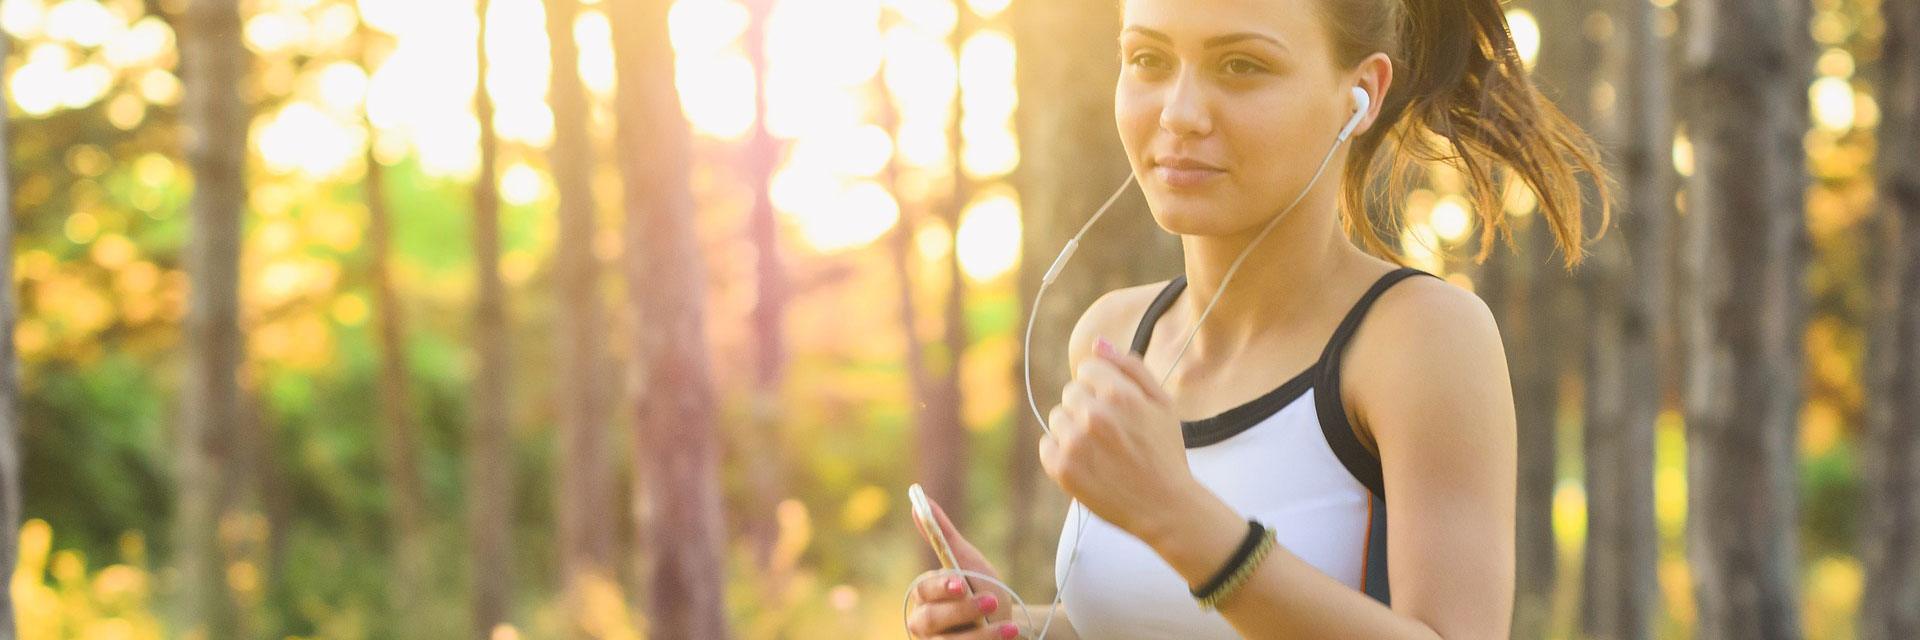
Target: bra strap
pixel 1144 333
pixel 1340 435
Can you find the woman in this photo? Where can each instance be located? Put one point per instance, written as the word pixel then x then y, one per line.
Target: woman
pixel 1269 505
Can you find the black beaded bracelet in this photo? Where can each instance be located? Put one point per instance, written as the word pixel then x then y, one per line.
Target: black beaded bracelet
pixel 1255 531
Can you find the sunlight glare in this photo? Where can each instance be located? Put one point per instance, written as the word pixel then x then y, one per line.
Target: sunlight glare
pixel 989 237
pixel 923 143
pixel 800 191
pixel 716 93
pixel 853 152
pixel 934 16
pixel 594 38
pixel 987 9
pixel 1682 153
pixel 1418 244
pixel 160 87
pixel 920 73
pixel 987 152
pixel 861 151
pixel 864 212
pixel 423 92
pixel 933 240
pixel 301 137
pixel 343 86
pixel 82 22
pixel 699 27
pixel 518 66
pixel 393 17
pixel 23 19
pixel 521 185
pixel 85 85
pixel 1449 218
pixel 824 43
pixel 1518 199
pixel 274 31
pixel 446 146
pixel 35 86
pixel 796 109
pixel 987 75
pixel 147 40
pixel 1832 103
pixel 1526 35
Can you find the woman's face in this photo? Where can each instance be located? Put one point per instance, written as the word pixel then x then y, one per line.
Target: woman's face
pixel 1226 107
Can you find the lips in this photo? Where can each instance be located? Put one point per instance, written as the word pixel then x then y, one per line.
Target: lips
pixel 1185 172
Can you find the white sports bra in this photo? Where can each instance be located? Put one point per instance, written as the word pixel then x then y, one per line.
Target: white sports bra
pixel 1288 458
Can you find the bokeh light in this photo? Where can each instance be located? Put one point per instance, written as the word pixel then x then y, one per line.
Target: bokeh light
pixel 1526 35
pixel 1450 218
pixel 302 137
pixel 989 237
pixel 1832 100
pixel 860 214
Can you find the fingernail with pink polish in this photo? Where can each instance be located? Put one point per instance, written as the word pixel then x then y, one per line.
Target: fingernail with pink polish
pixel 1008 630
pixel 1103 347
pixel 988 603
pixel 953 585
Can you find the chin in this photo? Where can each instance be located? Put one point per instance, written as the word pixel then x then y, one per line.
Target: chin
pixel 1187 216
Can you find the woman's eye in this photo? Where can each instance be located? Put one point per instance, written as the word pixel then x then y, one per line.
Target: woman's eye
pixel 1240 65
pixel 1147 60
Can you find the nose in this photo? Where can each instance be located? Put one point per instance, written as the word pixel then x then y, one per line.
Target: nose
pixel 1184 110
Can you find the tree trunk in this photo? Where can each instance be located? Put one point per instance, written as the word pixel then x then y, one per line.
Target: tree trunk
pixel 9 389
pixel 1508 288
pixel 1621 594
pixel 1071 160
pixel 1747 61
pixel 1890 448
pixel 930 456
pixel 490 457
pixel 766 465
pixel 676 450
pixel 1526 325
pixel 1540 294
pixel 945 447
pixel 586 496
pixel 406 497
pixel 213 70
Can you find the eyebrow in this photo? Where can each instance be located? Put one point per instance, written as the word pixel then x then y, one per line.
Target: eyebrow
pixel 1216 41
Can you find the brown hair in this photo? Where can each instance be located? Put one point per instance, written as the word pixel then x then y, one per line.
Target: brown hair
pixel 1466 87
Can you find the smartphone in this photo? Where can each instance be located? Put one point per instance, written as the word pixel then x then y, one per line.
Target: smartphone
pixel 930 529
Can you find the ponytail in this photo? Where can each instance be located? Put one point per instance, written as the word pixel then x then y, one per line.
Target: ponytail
pixel 1464 99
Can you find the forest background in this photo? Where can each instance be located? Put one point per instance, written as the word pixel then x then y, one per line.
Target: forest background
pixel 317 335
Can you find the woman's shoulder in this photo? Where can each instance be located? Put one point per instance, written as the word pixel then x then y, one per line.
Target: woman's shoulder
pixel 1427 322
pixel 1426 341
pixel 1114 315
pixel 1430 308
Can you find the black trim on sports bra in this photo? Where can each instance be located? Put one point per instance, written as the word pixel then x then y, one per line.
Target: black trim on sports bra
pixel 1322 374
pixel 1206 431
pixel 1323 378
pixel 1364 466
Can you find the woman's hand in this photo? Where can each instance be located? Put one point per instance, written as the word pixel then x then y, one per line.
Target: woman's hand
pixel 940 607
pixel 1116 445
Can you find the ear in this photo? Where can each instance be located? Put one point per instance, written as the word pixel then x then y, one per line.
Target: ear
pixel 1375 74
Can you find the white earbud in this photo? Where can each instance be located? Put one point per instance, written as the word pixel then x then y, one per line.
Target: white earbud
pixel 1361 101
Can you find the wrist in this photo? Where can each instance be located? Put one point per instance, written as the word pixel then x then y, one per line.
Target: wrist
pixel 1165 522
pixel 1192 529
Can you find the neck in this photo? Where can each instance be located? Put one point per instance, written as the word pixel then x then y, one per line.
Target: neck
pixel 1278 286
